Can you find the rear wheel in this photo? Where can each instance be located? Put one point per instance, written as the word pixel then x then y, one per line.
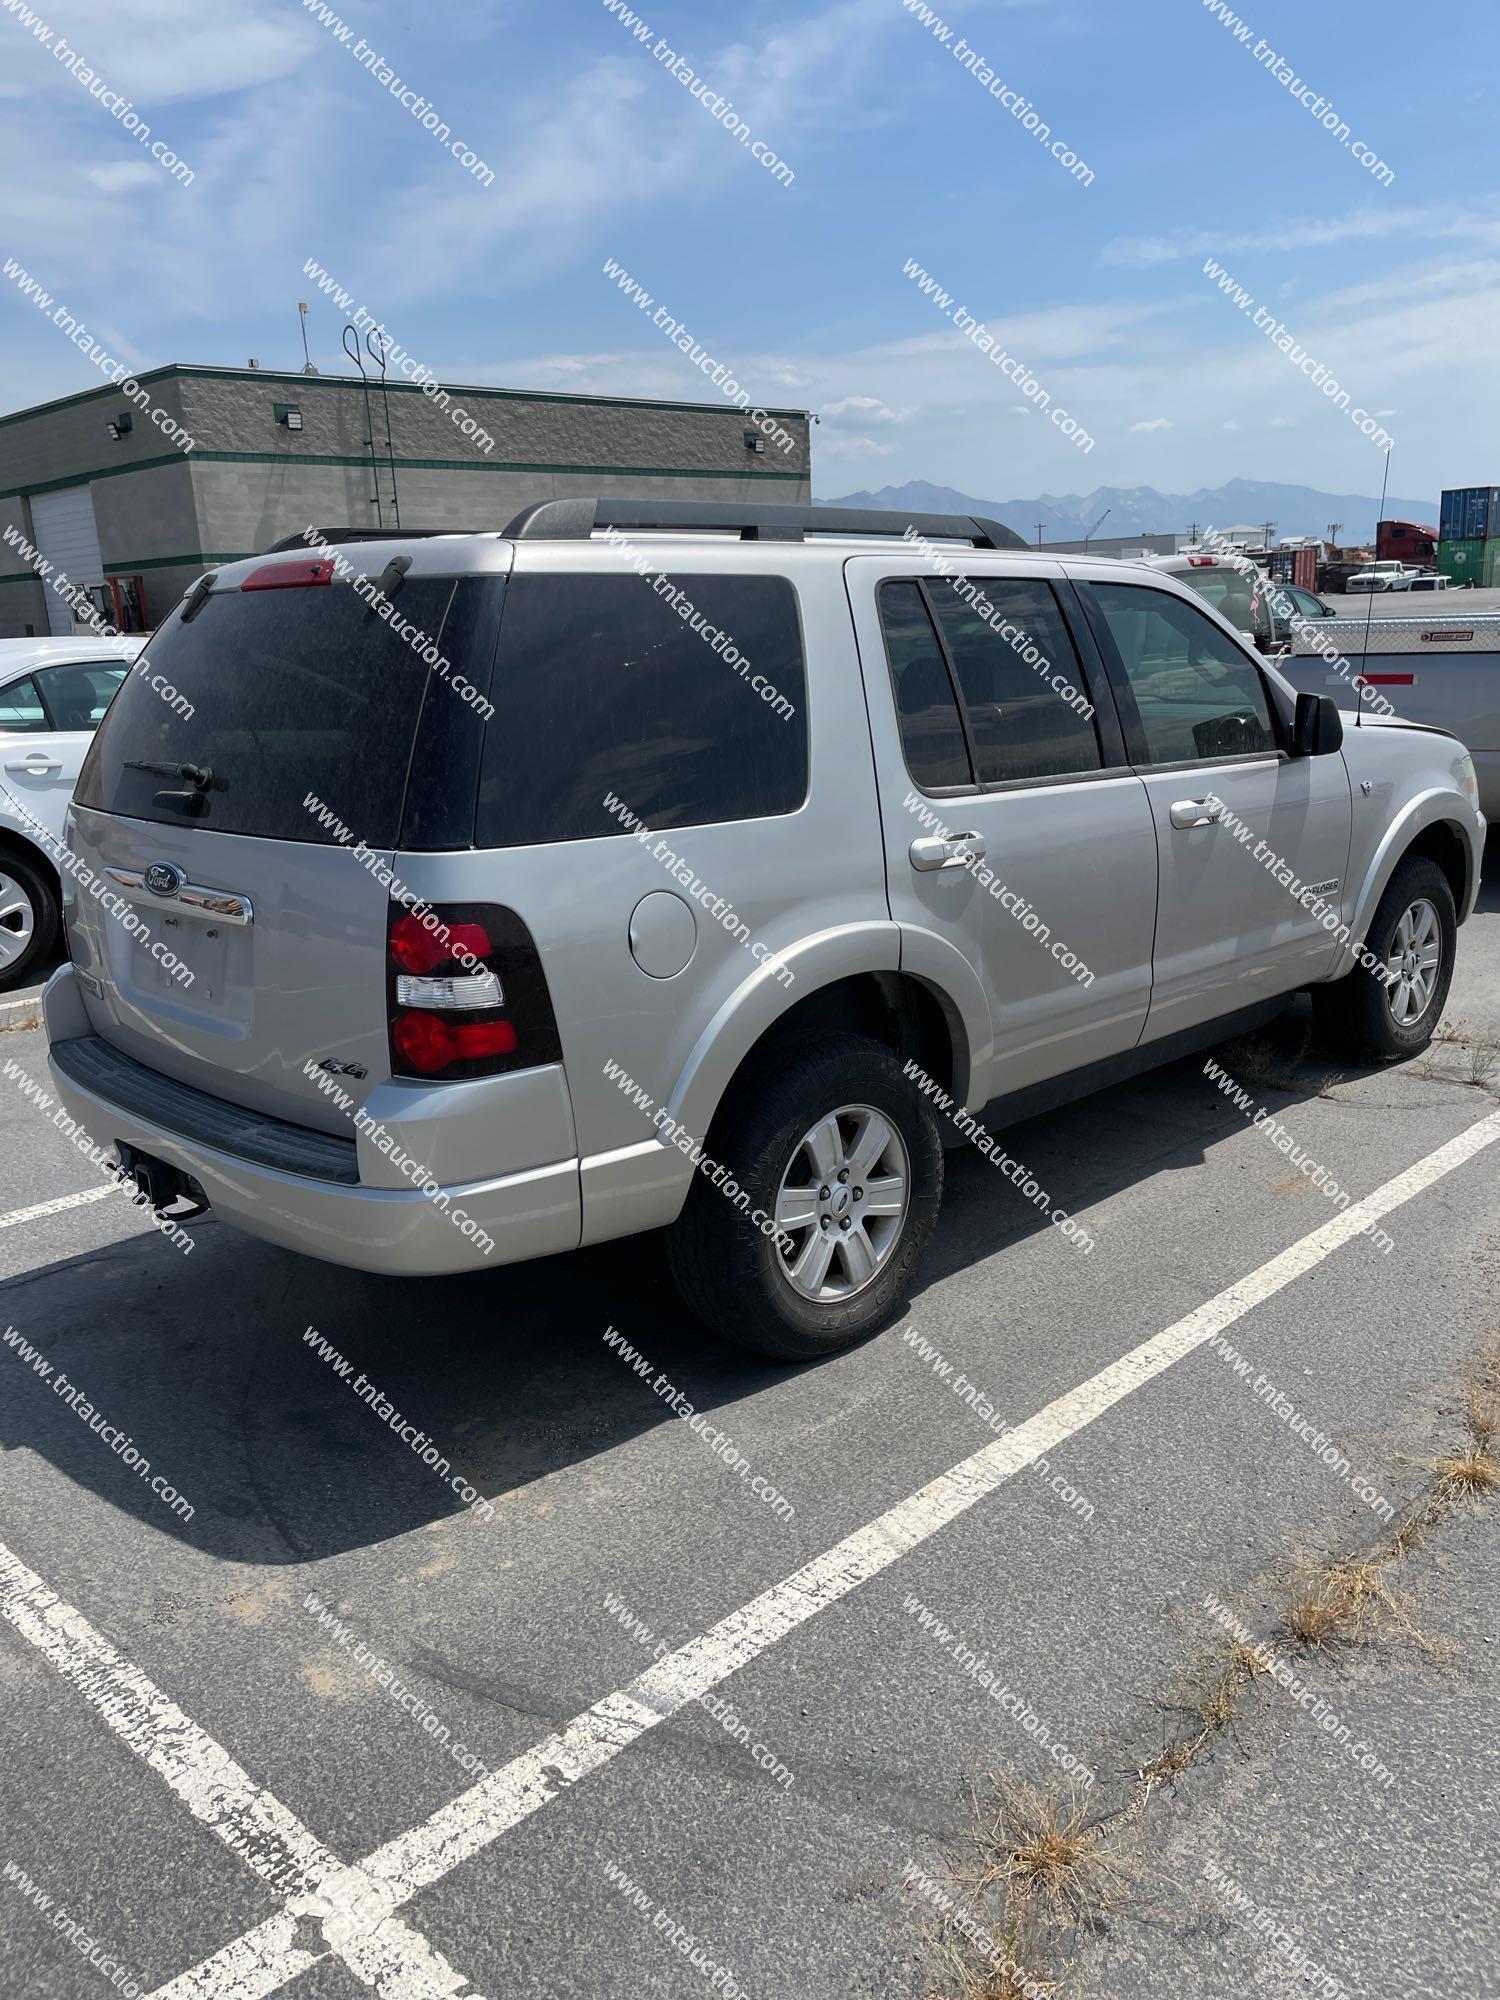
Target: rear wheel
pixel 837 1149
pixel 29 917
pixel 1378 1017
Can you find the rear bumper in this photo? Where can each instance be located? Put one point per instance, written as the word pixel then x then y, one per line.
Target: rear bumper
pixel 399 1231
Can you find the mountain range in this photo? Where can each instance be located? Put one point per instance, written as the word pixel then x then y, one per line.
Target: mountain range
pixel 1137 510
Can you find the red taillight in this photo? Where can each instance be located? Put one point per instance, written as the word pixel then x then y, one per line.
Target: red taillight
pixel 466 995
pixel 431 1044
pixel 1202 562
pixel 419 948
pixel 290 575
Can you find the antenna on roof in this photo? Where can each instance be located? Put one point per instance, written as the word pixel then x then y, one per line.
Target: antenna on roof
pixel 1385 481
pixel 354 355
pixel 377 353
pixel 307 363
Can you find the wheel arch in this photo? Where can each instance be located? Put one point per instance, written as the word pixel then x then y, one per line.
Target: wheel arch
pixel 1427 827
pixel 851 978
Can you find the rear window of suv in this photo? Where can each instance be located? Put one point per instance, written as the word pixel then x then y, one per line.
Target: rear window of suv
pixel 624 701
pixel 293 692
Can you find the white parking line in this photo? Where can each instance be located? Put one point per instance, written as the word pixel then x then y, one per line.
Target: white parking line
pixel 356 1913
pixel 56 1206
pixel 262 1960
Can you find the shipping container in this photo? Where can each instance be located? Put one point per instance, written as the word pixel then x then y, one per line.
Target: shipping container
pixel 1469 513
pixel 1463 560
pixel 1298 566
pixel 1492 563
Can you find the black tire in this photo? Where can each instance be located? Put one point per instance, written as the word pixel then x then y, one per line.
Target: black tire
pixel 1353 1015
pixel 46 916
pixel 730 1273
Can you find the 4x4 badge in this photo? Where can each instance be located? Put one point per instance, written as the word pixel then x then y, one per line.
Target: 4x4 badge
pixel 336 1068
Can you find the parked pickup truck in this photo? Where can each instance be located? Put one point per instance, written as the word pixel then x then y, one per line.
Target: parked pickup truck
pixel 1442 670
pixel 1384 576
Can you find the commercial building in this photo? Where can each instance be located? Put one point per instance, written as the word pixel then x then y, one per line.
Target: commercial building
pixel 1121 545
pixel 131 498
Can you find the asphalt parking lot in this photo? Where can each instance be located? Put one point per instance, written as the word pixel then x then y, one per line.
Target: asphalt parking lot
pixel 461 1768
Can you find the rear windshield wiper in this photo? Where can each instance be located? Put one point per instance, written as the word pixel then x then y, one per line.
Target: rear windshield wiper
pixel 200 777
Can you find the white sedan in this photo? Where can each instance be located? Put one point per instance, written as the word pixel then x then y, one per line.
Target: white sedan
pixel 53 694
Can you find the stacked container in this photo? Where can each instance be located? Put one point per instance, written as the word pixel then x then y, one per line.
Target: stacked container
pixel 1469 526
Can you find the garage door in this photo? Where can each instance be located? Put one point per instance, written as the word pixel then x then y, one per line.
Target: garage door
pixel 63 529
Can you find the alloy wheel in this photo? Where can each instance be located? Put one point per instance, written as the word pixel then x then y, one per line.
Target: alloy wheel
pixel 1413 960
pixel 842 1202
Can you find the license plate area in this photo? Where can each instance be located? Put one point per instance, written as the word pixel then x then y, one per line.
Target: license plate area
pixel 176 947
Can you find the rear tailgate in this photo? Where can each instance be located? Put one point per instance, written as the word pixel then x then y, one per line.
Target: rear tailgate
pixel 249 841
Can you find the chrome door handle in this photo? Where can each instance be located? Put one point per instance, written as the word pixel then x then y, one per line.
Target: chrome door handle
pixel 1196 812
pixel 36 764
pixel 933 851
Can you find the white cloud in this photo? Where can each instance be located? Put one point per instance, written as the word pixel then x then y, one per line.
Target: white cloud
pixel 1306 232
pixel 620 138
pixel 869 408
pixel 1231 425
pixel 161 51
pixel 1153 424
pixel 854 447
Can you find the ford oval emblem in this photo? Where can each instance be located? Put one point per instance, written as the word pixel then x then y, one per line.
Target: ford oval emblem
pixel 164 878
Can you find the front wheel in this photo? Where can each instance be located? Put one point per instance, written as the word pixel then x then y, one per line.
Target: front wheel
pixel 837 1174
pixel 1382 1016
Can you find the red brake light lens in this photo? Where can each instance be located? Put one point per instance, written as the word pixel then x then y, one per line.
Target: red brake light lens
pixel 290 575
pixel 431 1044
pixel 1202 562
pixel 418 948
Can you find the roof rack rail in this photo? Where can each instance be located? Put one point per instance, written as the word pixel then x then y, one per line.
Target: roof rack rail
pixel 576 520
pixel 333 536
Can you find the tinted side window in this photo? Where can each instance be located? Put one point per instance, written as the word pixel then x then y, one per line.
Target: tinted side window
pixel 1021 681
pixel 1195 694
pixel 932 737
pixel 21 706
pixel 78 693
pixel 605 685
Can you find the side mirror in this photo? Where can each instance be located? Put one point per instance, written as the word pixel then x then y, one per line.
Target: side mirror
pixel 1317 728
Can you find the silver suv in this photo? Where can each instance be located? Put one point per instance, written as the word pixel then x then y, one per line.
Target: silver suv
pixel 689 868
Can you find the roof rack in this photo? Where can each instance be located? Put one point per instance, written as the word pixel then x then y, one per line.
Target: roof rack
pixel 576 520
pixel 334 536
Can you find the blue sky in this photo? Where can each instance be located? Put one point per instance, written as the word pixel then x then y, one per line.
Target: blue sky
pixel 898 152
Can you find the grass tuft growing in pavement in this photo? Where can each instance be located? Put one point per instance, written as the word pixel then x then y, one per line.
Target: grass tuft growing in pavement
pixel 1348 1602
pixel 1466 1475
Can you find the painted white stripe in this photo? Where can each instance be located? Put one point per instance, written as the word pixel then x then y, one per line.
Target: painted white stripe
pixel 16 1006
pixel 55 1206
pixel 260 1962
pixel 355 1911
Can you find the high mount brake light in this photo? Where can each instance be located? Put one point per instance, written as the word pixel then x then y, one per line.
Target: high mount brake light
pixel 1202 562
pixel 466 995
pixel 290 575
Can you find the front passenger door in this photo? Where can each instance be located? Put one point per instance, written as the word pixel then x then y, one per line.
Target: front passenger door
pixel 1201 726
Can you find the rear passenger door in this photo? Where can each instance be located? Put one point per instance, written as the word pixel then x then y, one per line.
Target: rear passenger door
pixel 986 725
pixel 1201 728
pixel 46 723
